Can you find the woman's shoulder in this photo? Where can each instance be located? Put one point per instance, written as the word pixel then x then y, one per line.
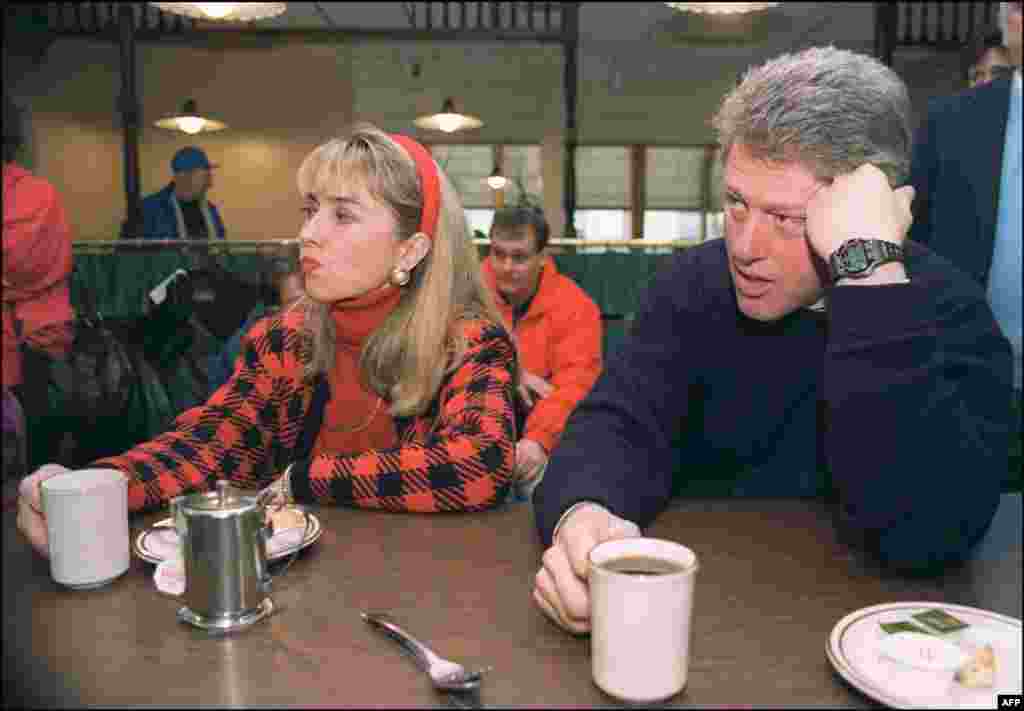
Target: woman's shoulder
pixel 280 320
pixel 479 330
pixel 278 334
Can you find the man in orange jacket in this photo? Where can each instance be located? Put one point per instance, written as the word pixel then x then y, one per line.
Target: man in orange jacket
pixel 557 328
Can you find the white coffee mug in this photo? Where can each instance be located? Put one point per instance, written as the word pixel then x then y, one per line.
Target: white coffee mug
pixel 640 622
pixel 87 526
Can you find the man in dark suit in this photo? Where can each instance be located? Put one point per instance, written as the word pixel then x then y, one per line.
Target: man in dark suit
pixel 985 58
pixel 957 164
pixel 966 173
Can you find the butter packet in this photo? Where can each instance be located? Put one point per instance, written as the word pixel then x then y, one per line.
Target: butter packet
pixel 940 621
pixel 894 627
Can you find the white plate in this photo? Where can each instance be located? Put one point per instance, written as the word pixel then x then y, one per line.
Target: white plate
pixel 858 650
pixel 159 541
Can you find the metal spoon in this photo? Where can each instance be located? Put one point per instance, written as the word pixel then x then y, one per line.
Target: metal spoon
pixel 446 675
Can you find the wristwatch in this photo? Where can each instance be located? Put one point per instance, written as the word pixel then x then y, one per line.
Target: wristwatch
pixel 857 258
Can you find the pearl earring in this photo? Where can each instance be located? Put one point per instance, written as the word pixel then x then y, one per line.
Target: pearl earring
pixel 399 276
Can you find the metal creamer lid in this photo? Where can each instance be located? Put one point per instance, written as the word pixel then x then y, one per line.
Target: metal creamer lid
pixel 225 499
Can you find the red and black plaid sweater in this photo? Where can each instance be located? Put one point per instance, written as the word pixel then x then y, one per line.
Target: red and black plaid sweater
pixel 459 456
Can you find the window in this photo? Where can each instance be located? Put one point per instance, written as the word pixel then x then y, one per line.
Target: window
pixel 675 178
pixel 715 216
pixel 602 225
pixel 673 225
pixel 479 220
pixel 717 176
pixel 602 193
pixel 680 189
pixel 522 166
pixel 467 167
pixel 602 177
pixel 716 225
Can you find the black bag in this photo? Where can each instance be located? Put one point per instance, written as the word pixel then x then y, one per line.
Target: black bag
pixel 76 404
pixel 221 299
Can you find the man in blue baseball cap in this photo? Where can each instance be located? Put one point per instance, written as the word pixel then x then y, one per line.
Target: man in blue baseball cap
pixel 180 210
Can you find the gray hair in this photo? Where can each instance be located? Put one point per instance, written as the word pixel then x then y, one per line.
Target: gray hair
pixel 828 109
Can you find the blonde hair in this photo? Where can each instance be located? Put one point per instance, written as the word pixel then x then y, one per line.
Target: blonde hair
pixel 407 357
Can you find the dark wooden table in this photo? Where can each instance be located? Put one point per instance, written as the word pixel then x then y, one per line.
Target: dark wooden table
pixel 773 582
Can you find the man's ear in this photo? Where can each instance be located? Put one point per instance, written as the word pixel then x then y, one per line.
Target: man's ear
pixel 413 250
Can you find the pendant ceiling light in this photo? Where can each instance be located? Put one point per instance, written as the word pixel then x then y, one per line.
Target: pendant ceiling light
pixel 224 11
pixel 721 8
pixel 448 119
pixel 189 121
pixel 496 181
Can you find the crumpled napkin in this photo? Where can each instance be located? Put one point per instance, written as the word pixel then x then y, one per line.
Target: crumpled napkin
pixel 284 539
pixel 169 576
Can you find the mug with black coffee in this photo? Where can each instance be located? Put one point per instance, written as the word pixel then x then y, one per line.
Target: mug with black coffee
pixel 641 607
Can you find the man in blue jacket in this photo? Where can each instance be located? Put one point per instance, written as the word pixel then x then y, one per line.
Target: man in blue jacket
pixel 181 210
pixel 812 351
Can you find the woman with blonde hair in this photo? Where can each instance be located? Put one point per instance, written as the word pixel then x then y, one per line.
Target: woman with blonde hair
pixel 389 385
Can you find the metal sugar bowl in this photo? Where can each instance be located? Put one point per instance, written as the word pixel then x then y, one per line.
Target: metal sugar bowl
pixel 224 545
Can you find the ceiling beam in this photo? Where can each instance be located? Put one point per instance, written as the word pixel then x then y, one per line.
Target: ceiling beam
pixel 327 35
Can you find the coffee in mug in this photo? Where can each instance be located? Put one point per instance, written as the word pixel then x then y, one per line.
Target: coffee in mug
pixel 641 607
pixel 643 565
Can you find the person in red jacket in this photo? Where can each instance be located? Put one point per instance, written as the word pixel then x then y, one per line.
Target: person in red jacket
pixel 389 385
pixel 37 261
pixel 557 329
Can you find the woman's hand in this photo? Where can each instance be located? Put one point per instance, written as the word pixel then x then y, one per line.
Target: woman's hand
pixel 279 493
pixel 530 459
pixel 533 387
pixel 31 520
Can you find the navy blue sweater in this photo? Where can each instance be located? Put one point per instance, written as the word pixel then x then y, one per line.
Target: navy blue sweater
pixel 895 404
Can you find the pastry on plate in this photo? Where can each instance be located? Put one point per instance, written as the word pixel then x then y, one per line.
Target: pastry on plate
pixel 287 518
pixel 979 670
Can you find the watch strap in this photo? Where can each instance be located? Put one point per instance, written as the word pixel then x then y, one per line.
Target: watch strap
pixel 857 258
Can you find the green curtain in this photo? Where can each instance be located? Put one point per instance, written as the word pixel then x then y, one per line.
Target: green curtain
pixel 121 281
pixel 613 280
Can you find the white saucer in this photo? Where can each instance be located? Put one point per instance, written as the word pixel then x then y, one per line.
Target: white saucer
pixel 858 650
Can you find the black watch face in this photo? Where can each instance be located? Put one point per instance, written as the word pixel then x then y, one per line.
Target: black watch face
pixel 856 259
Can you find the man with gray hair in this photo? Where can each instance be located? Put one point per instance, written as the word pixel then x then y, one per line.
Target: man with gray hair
pixel 813 351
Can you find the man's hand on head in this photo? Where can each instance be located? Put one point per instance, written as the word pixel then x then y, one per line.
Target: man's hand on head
pixel 860 205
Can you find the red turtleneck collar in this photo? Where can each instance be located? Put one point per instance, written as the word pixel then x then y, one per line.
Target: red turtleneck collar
pixel 356 419
pixel 356 318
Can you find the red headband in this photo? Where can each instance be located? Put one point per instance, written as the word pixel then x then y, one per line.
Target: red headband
pixel 430 183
